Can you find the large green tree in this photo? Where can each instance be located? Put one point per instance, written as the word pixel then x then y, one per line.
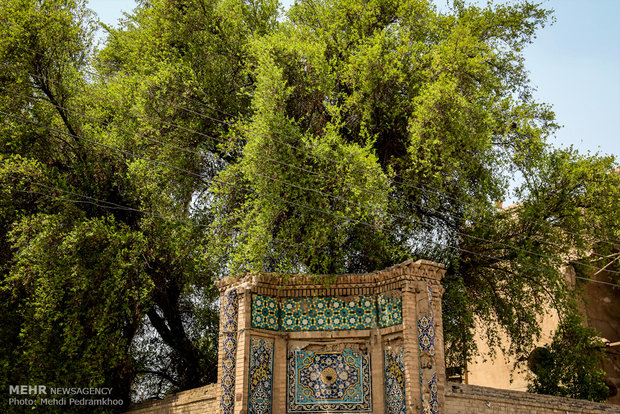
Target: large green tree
pixel 210 137
pixel 385 130
pixel 105 274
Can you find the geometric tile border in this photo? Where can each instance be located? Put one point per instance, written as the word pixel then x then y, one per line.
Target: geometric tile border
pixel 325 313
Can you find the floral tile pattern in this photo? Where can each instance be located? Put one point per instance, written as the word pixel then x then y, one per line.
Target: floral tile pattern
pixel 432 384
pixel 390 311
pixel 228 313
pixel 395 401
pixel 329 381
pixel 260 376
pixel 229 309
pixel 426 329
pixel 327 314
pixel 426 335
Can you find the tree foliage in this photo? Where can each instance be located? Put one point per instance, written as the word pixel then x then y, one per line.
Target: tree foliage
pixel 210 137
pixel 571 365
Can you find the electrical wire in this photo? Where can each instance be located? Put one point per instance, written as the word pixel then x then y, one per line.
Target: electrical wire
pixel 346 219
pixel 402 184
pixel 402 217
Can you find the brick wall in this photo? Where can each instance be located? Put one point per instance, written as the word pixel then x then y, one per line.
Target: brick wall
pixel 473 399
pixel 459 399
pixel 199 400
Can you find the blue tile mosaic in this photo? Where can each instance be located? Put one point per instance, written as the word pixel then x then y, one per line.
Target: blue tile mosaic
pixel 432 384
pixel 395 401
pixel 265 312
pixel 390 311
pixel 328 314
pixel 329 381
pixel 426 335
pixel 426 329
pixel 325 313
pixel 260 376
pixel 229 309
pixel 229 314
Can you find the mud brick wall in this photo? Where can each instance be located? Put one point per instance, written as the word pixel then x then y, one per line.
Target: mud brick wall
pixel 473 399
pixel 198 400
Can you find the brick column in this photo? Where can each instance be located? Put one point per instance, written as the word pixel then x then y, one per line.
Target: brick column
pixel 427 349
pixel 243 351
pixel 377 372
pixel 440 355
pixel 279 374
pixel 410 346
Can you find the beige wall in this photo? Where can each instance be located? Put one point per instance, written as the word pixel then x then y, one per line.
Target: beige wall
pixel 198 400
pixel 601 306
pixel 499 371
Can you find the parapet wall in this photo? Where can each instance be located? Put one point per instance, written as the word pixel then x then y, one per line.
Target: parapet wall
pixel 473 399
pixel 459 399
pixel 201 400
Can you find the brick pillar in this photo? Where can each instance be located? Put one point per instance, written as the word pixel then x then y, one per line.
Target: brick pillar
pixel 427 349
pixel 377 372
pixel 410 346
pixel 279 374
pixel 243 351
pixel 440 360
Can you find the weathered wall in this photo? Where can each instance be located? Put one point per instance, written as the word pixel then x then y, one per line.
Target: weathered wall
pixel 473 399
pixel 498 370
pixel 602 307
pixel 460 399
pixel 202 400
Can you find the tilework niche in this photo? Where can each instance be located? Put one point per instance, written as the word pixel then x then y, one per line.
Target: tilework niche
pixel 325 313
pixel 260 386
pixel 365 344
pixel 394 367
pixel 328 381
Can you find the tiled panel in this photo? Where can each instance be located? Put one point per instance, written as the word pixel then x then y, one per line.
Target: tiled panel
pixel 327 314
pixel 229 308
pixel 426 335
pixel 264 312
pixel 329 382
pixel 390 311
pixel 432 385
pixel 395 402
pixel 260 376
pixel 426 329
